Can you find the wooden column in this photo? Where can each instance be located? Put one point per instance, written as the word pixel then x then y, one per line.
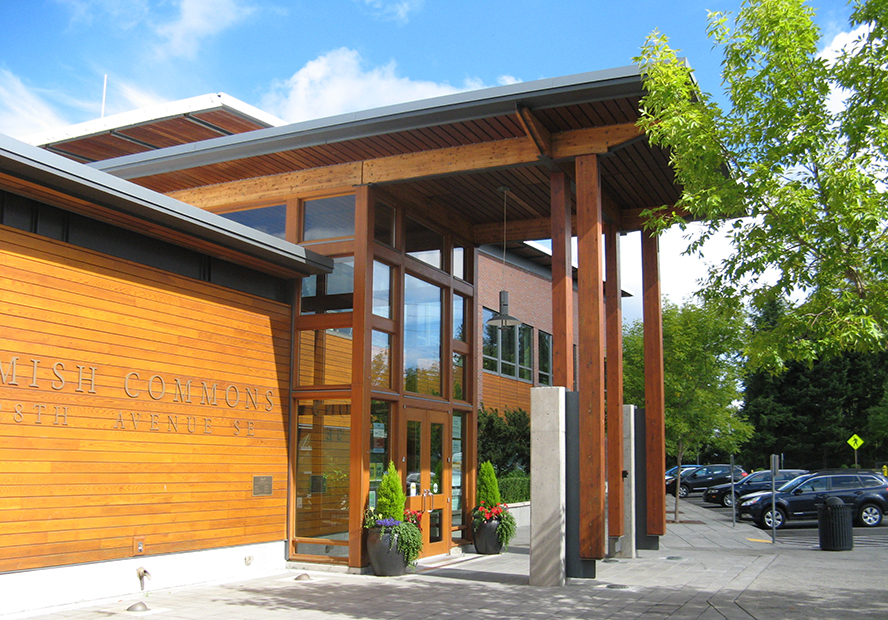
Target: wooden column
pixel 590 374
pixel 654 400
pixel 614 368
pixel 562 283
pixel 359 452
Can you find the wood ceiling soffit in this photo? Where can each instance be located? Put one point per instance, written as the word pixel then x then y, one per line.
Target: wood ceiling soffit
pixel 228 121
pixel 273 186
pixel 431 209
pixel 520 230
pixel 207 125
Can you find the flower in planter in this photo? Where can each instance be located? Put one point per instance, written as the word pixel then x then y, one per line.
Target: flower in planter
pixel 392 519
pixel 490 507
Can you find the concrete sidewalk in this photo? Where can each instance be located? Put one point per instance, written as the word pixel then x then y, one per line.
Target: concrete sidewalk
pixel 705 569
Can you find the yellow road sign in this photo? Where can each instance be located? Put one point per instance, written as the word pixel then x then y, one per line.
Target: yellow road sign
pixel 855 441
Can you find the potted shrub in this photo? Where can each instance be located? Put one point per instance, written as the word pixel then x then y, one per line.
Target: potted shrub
pixel 493 525
pixel 393 541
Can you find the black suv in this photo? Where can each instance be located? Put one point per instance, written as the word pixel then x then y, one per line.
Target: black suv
pixel 866 491
pixel 703 477
pixel 756 481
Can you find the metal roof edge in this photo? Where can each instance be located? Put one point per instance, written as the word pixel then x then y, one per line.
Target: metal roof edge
pixel 170 109
pixel 36 165
pixel 463 106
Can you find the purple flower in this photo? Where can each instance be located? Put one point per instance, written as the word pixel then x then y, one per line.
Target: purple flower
pixel 388 522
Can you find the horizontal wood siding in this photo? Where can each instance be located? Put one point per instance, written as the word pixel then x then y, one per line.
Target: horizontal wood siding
pixel 103 441
pixel 501 392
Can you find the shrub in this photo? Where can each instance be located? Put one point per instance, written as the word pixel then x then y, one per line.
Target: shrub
pixel 390 498
pixel 488 489
pixel 504 440
pixel 515 487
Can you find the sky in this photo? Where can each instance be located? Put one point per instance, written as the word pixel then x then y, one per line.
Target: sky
pixel 310 59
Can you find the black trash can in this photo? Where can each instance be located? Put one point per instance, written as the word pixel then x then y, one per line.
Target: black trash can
pixel 835 526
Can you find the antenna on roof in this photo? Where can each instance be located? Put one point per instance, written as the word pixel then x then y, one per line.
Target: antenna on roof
pixel 104 92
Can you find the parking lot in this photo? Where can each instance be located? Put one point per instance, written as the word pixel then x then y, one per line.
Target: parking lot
pixel 802 533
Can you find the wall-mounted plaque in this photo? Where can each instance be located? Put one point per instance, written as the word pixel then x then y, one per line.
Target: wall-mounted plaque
pixel 262 485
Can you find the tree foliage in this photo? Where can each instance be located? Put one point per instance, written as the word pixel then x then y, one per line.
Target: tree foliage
pixel 488 487
pixel 808 412
pixel 702 364
pixel 504 440
pixel 796 180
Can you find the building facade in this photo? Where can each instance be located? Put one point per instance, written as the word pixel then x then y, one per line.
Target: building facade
pixel 222 343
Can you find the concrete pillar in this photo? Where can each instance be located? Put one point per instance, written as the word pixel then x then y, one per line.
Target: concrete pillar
pixel 627 544
pixel 547 490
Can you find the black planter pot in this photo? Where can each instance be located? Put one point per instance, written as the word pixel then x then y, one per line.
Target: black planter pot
pixel 486 541
pixel 385 561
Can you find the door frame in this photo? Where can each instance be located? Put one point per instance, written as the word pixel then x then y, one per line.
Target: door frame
pixel 425 496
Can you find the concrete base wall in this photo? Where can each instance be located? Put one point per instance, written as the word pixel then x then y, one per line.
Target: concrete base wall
pixel 521 512
pixel 49 588
pixel 547 486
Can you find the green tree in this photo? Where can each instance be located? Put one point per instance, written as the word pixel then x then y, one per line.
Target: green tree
pixel 702 364
pixel 797 184
pixel 488 487
pixel 808 412
pixel 504 440
pixel 390 497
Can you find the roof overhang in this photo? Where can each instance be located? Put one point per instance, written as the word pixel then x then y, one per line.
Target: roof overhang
pixel 449 109
pixel 66 184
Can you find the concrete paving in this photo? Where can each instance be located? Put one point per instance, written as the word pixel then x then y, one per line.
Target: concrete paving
pixel 705 569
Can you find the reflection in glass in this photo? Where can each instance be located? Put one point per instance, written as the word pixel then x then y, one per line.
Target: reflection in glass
pixel 525 352
pixel 459 376
pixel 271 220
pixel 333 292
pixel 381 360
pixel 507 350
pixel 423 244
pixel 545 363
pixel 379 444
pixel 323 435
pixel 422 337
pixel 325 357
pixel 384 224
pixel 436 525
pixel 436 459
pixel 459 262
pixel 328 218
pixel 490 342
pixel 382 290
pixel 414 458
pixel 456 469
pixel 459 318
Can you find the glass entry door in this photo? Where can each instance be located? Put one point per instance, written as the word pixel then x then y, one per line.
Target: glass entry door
pixel 426 454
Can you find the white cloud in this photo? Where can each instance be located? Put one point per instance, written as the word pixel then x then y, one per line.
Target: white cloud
pixel 844 41
pixel 22 110
pixel 337 83
pixel 197 20
pixel 395 10
pixel 124 13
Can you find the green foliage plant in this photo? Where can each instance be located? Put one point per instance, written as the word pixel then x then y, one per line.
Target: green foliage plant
pixel 703 364
pixel 488 488
pixel 504 439
pixel 490 506
pixel 392 518
pixel 390 497
pixel 794 181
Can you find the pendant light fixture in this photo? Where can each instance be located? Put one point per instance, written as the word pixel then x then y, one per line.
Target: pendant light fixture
pixel 503 318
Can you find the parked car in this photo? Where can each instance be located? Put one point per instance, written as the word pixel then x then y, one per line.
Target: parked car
pixel 756 481
pixel 703 477
pixel 684 469
pixel 866 491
